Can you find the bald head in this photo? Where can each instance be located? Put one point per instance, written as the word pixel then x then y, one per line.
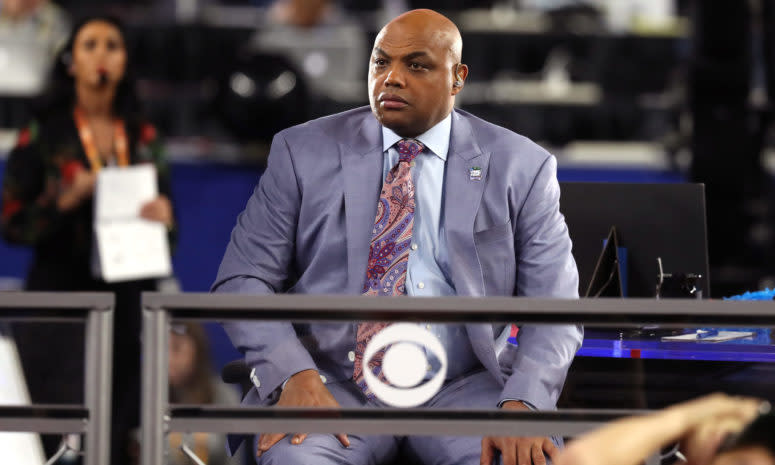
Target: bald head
pixel 415 72
pixel 436 26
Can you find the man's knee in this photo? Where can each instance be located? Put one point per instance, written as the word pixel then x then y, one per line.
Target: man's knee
pixel 318 449
pixel 285 453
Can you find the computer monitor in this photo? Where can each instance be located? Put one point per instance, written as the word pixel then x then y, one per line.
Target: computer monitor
pixel 651 221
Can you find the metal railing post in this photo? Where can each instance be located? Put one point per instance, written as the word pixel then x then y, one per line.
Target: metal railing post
pixel 98 379
pixel 95 311
pixel 155 386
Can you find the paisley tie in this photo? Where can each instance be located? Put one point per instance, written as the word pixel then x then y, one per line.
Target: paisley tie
pixel 389 250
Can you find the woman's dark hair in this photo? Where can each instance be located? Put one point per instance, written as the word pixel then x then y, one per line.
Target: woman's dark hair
pixel 59 96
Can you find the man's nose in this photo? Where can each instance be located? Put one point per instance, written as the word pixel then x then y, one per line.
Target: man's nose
pixel 395 78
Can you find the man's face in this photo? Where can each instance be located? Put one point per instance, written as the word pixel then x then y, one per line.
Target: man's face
pixel 411 78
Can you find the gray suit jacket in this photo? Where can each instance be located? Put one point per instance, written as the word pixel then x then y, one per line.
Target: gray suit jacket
pixel 307 228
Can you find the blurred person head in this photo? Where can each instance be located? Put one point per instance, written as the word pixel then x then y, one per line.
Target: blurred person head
pixel 415 72
pixel 95 59
pixel 98 55
pixel 190 370
pixel 300 13
pixel 17 9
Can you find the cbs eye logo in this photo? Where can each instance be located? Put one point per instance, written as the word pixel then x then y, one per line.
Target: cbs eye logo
pixel 404 365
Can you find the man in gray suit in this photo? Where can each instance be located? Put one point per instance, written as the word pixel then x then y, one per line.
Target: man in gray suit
pixel 476 209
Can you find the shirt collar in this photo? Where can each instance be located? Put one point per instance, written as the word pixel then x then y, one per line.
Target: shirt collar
pixel 436 139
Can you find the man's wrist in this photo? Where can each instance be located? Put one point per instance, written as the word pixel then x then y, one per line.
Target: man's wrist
pixel 300 375
pixel 516 404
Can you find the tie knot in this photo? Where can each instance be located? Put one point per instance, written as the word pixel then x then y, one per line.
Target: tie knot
pixel 408 149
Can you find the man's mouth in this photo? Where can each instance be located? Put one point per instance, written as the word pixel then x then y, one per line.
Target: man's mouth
pixel 392 102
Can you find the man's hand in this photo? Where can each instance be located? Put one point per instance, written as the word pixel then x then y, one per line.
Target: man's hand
pixel 304 389
pixel 517 451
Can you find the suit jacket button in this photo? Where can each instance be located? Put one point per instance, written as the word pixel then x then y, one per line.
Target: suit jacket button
pixel 351 356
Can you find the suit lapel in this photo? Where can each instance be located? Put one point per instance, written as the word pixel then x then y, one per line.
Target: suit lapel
pixel 362 173
pixel 464 182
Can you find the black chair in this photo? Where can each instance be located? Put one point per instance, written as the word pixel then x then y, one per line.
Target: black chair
pixel 236 372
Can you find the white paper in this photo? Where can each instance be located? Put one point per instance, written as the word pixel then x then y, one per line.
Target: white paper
pixel 720 337
pixel 122 192
pixel 129 247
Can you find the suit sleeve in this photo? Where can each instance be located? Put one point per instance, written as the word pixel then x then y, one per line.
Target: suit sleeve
pixel 545 268
pixel 257 261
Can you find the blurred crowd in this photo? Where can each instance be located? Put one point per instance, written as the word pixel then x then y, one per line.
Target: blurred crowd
pixel 219 78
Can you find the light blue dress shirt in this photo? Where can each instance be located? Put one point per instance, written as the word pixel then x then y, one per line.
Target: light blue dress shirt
pixel 428 266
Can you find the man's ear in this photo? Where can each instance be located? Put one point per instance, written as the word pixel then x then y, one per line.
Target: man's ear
pixel 460 74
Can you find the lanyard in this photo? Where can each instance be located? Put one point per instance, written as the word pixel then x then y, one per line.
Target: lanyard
pixel 87 139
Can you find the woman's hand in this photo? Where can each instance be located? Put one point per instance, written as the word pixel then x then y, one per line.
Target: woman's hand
pixel 158 209
pixel 80 188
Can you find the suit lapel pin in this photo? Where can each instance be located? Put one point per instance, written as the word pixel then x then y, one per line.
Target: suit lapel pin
pixel 475 173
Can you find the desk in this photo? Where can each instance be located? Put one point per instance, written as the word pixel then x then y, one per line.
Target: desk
pixel 644 372
pixel 607 343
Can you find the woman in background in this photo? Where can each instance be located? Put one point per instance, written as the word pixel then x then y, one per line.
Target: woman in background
pixel 90 118
pixel 192 381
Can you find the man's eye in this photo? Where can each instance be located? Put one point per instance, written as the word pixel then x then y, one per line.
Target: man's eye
pixel 380 62
pixel 416 66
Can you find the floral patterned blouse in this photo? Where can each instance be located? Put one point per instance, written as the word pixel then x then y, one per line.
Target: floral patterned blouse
pixel 46 156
